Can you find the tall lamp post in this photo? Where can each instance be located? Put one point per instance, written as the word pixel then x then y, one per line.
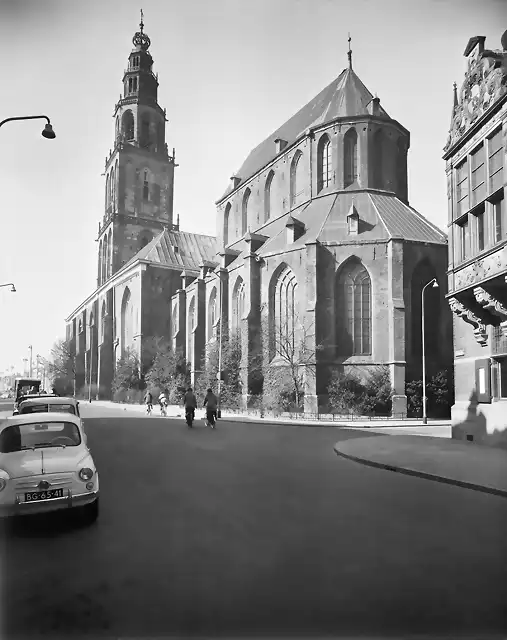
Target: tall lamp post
pixel 434 283
pixel 47 132
pixel 9 284
pixel 31 351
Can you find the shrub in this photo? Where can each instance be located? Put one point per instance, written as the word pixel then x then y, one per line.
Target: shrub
pixel 439 394
pixel 349 394
pixel 278 391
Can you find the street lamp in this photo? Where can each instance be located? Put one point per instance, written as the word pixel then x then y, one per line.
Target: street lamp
pixel 47 132
pixel 434 283
pixel 31 350
pixel 9 284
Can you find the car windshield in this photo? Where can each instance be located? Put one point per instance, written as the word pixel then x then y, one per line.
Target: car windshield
pixel 38 435
pixel 44 408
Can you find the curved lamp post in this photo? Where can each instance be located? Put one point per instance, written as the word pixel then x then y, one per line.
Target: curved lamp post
pixel 47 132
pixel 9 284
pixel 435 285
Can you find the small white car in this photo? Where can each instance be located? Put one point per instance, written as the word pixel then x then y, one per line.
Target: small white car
pixel 45 465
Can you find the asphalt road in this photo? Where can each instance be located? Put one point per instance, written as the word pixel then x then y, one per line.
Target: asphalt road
pixel 252 530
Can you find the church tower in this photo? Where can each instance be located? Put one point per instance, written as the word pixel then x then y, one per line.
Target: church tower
pixel 139 170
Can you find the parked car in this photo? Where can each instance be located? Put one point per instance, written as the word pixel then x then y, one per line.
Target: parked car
pixel 45 465
pixel 45 404
pixel 30 396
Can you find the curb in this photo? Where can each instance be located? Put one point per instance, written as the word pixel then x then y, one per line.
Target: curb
pixel 423 474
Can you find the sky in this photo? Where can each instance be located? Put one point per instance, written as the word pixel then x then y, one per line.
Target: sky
pixel 230 73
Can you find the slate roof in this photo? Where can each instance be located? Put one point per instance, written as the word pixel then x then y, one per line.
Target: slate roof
pixel 346 96
pixel 178 249
pixel 382 217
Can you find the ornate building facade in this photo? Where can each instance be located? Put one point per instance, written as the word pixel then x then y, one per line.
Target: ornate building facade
pixel 477 275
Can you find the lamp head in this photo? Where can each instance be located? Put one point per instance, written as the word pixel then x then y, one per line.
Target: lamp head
pixel 435 283
pixel 13 289
pixel 48 132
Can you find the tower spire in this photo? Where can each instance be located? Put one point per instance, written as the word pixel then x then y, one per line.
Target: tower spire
pixel 141 24
pixel 454 101
pixel 349 53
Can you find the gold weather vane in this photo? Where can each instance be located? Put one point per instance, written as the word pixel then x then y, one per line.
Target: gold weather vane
pixel 349 53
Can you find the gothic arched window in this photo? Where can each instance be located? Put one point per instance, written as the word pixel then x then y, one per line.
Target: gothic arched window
pixel 174 320
pixel 103 323
pixel 283 313
pixel 190 331
pixel 212 312
pixel 267 196
pixel 127 323
pixel 349 157
pixel 90 331
pixel 296 179
pixel 145 132
pixel 109 263
pixel 107 191
pixel 353 311
pixel 244 212
pixel 238 304
pixel 105 253
pixel 377 159
pixel 115 188
pixel 99 276
pixel 127 125
pixel 227 215
pixel 324 163
pixel 146 185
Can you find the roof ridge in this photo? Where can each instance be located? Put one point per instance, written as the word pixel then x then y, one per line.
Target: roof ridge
pixel 370 196
pixel 327 215
pixel 420 215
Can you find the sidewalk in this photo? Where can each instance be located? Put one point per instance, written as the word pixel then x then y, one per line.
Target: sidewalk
pixel 456 462
pixel 436 428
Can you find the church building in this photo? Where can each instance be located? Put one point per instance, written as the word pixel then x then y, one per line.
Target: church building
pixel 316 245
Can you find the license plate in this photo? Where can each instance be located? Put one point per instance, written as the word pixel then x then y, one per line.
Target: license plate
pixel 36 496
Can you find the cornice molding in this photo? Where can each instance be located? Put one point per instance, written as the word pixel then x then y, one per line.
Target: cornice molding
pixel 459 309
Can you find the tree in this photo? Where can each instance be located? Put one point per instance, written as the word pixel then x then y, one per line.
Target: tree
pixel 169 370
pixel 231 387
pixel 291 362
pixel 62 366
pixel 127 381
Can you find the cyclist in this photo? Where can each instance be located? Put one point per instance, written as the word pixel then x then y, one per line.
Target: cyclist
pixel 190 402
pixel 148 401
pixel 162 400
pixel 211 402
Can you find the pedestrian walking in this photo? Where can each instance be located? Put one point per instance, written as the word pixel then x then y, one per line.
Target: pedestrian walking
pixel 148 401
pixel 211 404
pixel 190 404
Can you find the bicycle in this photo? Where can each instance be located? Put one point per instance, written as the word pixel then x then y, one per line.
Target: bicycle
pixel 210 419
